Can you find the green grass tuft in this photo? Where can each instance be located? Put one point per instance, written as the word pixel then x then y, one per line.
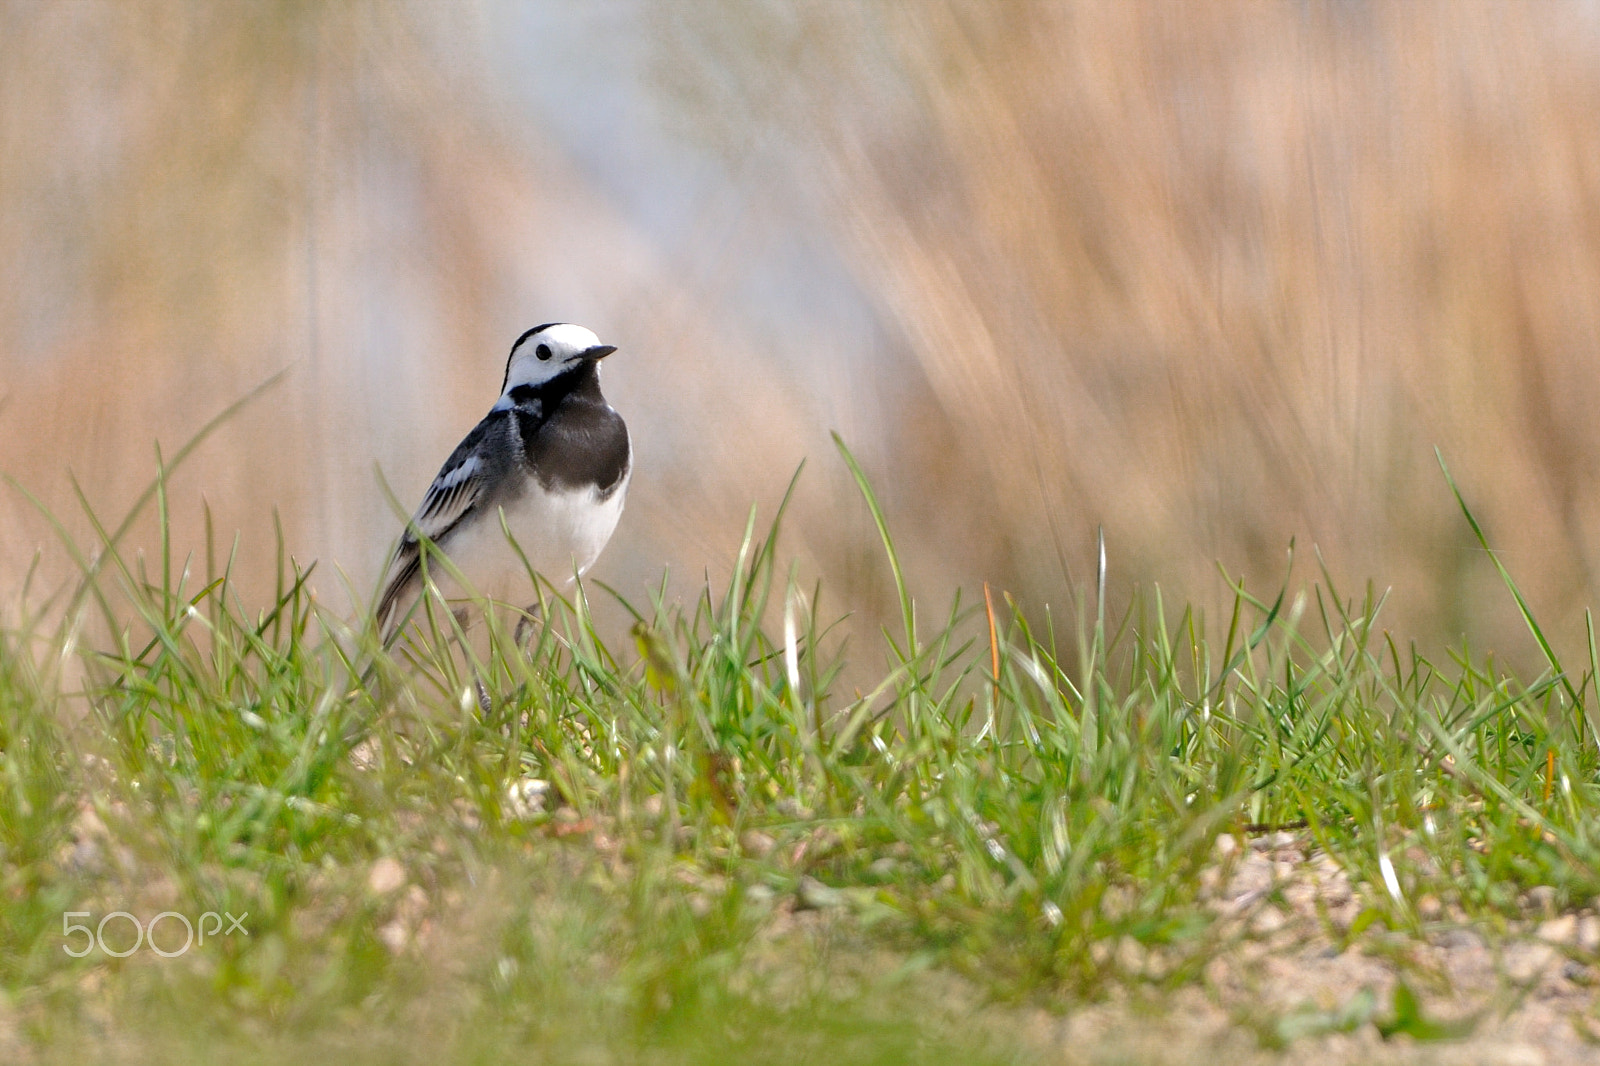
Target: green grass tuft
pixel 687 844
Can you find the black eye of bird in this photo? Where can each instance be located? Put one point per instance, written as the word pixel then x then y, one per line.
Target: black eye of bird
pixel 543 351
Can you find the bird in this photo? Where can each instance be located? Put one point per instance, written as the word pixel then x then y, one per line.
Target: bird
pixel 550 464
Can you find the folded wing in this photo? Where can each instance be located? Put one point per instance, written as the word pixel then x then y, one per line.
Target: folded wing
pixel 455 492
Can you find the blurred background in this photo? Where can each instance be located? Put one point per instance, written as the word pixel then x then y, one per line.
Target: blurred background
pixel 1213 276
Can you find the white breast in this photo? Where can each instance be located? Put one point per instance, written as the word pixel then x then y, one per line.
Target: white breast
pixel 560 532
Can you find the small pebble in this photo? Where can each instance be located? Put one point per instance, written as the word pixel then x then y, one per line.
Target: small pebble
pixel 1267 920
pixel 1513 1055
pixel 815 895
pixel 385 876
pixel 1540 898
pixel 1562 930
pixel 756 843
pixel 1460 940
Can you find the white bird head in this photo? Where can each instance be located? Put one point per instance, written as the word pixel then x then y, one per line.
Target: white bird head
pixel 546 351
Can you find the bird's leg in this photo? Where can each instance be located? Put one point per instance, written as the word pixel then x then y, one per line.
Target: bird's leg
pixel 531 616
pixel 462 616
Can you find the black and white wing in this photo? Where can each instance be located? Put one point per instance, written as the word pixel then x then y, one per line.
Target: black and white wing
pixel 454 494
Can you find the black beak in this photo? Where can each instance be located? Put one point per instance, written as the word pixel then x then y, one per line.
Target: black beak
pixel 599 351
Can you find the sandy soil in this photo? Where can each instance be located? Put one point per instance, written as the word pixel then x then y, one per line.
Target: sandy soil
pixel 1530 998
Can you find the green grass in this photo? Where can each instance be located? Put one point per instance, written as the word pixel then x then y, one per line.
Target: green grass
pixel 689 843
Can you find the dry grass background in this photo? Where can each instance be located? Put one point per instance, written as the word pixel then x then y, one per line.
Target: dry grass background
pixel 1213 275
